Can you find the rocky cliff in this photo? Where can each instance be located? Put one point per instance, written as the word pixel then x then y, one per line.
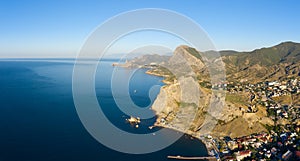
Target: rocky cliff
pixel 184 105
pixel 189 104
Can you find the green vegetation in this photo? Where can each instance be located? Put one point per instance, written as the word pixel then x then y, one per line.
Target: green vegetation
pixel 236 98
pixel 221 122
pixel 205 84
pixel 287 99
pixel 268 127
pixel 271 112
pixel 194 52
pixel 166 73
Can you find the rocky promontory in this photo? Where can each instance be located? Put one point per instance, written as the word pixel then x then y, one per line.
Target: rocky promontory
pixel 184 104
pixel 194 102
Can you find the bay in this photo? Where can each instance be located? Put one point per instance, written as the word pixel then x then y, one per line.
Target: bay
pixel 38 120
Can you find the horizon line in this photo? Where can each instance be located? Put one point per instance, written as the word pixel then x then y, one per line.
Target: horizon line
pixel 111 56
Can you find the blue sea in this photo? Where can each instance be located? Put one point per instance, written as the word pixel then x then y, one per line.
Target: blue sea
pixel 38 119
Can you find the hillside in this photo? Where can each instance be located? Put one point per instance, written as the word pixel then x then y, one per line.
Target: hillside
pixel 271 63
pixel 265 64
pixel 187 69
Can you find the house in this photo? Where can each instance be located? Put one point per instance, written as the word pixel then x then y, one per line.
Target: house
pixel 264 140
pixel 274 151
pixel 153 64
pixel 287 155
pixel 268 154
pixel 297 154
pixel 283 87
pixel 232 145
pixel 272 83
pixel 285 114
pixel 228 158
pixel 242 154
pixel 257 145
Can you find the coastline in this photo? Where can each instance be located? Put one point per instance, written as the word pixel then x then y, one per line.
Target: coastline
pixel 157 123
pixel 209 145
pixel 159 75
pixel 207 141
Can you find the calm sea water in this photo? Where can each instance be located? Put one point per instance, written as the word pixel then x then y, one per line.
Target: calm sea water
pixel 38 119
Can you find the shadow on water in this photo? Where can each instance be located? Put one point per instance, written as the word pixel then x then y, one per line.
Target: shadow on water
pixel 38 120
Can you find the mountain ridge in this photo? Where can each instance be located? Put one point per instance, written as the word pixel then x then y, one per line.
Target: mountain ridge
pixel 260 65
pixel 265 64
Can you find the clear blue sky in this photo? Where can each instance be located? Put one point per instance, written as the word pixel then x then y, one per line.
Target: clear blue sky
pixel 59 27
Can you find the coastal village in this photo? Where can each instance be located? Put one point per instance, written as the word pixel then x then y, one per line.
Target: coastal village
pixel 281 142
pixel 261 120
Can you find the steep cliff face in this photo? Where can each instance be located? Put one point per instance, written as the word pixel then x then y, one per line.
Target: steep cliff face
pixel 187 102
pixel 186 106
pixel 167 100
pixel 180 104
pixel 178 101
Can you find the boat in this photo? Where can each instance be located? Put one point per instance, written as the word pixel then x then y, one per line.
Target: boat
pixel 134 120
pixel 151 127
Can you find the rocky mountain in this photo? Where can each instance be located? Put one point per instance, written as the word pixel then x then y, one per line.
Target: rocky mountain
pixel 184 103
pixel 272 63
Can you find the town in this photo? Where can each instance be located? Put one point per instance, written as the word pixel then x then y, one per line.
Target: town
pixel 281 141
